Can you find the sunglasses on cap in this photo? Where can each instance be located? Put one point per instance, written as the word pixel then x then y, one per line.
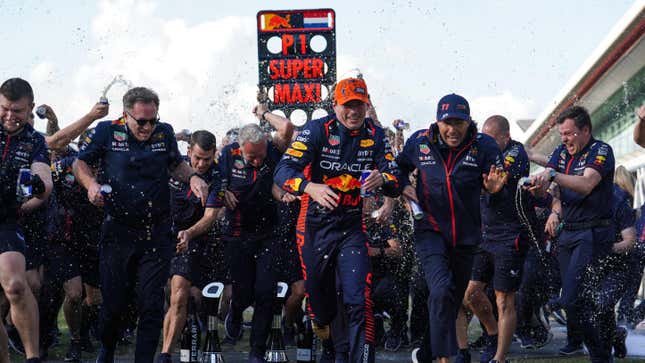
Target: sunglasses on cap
pixel 142 121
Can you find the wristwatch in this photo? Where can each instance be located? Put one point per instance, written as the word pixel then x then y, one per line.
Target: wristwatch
pixel 194 174
pixel 385 179
pixel 552 174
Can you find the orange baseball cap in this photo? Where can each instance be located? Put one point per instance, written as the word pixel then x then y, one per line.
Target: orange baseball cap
pixel 350 89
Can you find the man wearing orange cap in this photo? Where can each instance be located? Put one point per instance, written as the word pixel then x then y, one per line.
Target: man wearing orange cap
pixel 324 165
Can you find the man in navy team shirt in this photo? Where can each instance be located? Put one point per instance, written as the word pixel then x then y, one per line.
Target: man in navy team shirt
pixel 21 147
pixel 136 155
pixel 583 168
pixel 503 249
pixel 191 223
pixel 247 168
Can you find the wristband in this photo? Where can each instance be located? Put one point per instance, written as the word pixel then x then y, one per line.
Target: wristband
pixel 264 113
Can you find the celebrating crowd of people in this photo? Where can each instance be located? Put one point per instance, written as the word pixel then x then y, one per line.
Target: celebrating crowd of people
pixel 384 243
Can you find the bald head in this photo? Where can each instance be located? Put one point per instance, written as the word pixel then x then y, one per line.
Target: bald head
pixel 498 122
pixel 498 128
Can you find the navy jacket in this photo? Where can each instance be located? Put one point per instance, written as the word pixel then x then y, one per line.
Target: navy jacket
pixel 450 181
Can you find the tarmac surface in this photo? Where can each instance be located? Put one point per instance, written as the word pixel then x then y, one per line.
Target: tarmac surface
pixel 239 353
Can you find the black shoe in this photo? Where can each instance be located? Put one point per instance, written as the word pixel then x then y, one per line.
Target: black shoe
pixel 489 350
pixel 463 356
pixel 14 339
pixel 571 349
pixel 620 348
pixel 74 351
pixel 105 356
pixel 164 358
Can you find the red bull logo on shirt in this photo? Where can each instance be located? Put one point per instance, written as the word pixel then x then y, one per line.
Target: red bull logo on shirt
pixel 293 184
pixel 343 183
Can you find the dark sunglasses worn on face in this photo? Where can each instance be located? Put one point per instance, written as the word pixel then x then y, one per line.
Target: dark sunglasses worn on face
pixel 143 122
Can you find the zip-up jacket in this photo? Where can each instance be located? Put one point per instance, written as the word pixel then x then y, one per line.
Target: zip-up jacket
pixel 450 181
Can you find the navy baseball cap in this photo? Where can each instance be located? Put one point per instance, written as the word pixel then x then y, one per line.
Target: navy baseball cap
pixel 453 106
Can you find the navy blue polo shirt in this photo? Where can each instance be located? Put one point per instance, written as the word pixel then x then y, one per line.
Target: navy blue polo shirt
pixel 449 182
pixel 499 216
pixel 137 171
pixel 187 209
pixel 256 211
pixel 597 205
pixel 19 151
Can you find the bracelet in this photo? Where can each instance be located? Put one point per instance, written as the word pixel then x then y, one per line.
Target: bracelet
pixel 264 113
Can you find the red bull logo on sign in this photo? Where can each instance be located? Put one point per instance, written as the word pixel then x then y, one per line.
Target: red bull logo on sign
pixel 275 21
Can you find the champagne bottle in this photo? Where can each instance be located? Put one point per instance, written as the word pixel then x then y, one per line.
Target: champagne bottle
pixel 276 351
pixel 306 352
pixel 190 337
pixel 212 352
